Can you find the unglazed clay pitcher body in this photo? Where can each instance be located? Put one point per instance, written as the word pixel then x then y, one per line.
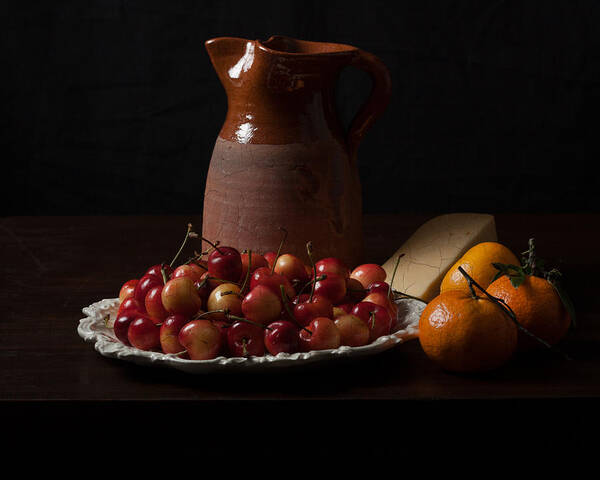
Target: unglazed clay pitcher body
pixel 282 159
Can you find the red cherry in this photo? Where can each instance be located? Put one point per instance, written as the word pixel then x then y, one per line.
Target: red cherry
pixel 144 334
pixel 332 265
pixel 146 283
pixel 131 304
pixel 382 287
pixel 281 336
pixel 261 305
pixel 303 297
pixel 382 299
pixel 156 271
pixel 306 311
pixel 320 334
pixel 332 287
pixel 273 281
pixel 127 289
pixel 169 333
pixel 375 316
pixel 153 304
pixel 245 339
pixel 190 270
pixel 257 260
pixel 201 339
pixel 122 322
pixel 270 258
pixel 368 273
pixel 225 263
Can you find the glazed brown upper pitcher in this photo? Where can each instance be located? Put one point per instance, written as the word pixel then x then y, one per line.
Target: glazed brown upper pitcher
pixel 282 158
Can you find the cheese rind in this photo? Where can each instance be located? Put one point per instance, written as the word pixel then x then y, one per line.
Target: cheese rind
pixel 434 248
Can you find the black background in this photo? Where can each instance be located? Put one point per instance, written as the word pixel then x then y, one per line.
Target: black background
pixel 112 107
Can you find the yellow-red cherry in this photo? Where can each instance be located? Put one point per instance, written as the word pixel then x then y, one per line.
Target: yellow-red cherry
pixel 180 295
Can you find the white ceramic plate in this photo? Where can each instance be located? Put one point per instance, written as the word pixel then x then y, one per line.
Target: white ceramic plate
pixel 96 329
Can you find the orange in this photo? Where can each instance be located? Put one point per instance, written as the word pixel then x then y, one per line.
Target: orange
pixel 463 333
pixel 477 262
pixel 537 307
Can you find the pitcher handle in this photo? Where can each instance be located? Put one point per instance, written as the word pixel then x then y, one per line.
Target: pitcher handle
pixel 377 102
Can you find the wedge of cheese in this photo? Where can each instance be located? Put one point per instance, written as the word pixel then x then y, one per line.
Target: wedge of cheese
pixel 434 248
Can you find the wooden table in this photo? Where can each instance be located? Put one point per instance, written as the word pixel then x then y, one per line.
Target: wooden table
pixel 50 379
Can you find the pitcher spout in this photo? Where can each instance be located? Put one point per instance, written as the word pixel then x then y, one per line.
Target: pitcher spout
pixel 231 57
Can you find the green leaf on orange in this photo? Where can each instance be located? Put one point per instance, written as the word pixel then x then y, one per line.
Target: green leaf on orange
pixel 517 280
pixel 515 273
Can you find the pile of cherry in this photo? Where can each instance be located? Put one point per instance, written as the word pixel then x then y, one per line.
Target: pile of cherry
pixel 225 303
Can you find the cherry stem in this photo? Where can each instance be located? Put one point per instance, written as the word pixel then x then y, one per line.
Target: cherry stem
pixel 164 274
pixel 394 275
pixel 187 235
pixel 372 320
pixel 310 282
pixel 230 317
pixel 214 245
pixel 212 248
pixel 509 311
pixel 204 314
pixel 243 287
pixel 285 234
pixel 286 306
pixel 201 284
pixel 197 256
pixel 243 319
pixel 309 251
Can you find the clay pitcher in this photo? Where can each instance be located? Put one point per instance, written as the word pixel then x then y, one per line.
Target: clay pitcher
pixel 282 159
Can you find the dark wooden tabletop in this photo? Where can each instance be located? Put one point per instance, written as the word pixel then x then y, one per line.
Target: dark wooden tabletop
pixel 54 266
